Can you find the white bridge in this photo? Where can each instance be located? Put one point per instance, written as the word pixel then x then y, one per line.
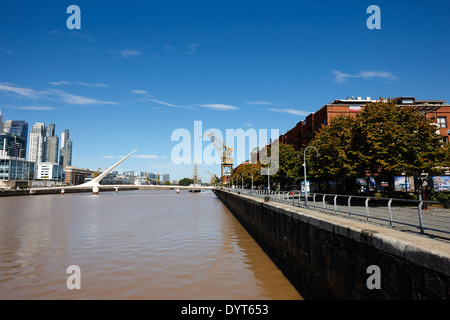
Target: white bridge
pixel 95 185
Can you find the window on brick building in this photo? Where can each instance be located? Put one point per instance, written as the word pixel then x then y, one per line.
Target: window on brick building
pixel 442 122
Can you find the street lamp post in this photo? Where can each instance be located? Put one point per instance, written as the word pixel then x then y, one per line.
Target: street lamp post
pixel 252 176
pixel 304 168
pixel 242 176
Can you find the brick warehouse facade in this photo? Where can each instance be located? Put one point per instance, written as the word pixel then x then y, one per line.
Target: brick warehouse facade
pixel 75 176
pixel 306 130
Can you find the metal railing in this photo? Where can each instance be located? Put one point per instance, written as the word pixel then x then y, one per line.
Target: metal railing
pixel 425 217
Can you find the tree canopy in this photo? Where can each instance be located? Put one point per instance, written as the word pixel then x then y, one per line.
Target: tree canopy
pixel 384 139
pixel 185 181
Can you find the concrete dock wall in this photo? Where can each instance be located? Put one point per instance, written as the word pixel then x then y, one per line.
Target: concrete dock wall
pixel 330 257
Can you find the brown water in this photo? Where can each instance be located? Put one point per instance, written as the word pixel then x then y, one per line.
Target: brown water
pixel 132 245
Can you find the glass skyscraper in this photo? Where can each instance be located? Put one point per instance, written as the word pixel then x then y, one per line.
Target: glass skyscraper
pixel 20 129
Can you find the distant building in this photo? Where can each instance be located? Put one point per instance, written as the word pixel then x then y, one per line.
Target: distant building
pixel 65 156
pixel 49 171
pixel 36 148
pixel 12 145
pixel 15 169
pixel 18 128
pixel 75 176
pixel 51 145
pixel 165 177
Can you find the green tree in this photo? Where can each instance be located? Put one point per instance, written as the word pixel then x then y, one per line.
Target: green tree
pixel 383 140
pixel 185 181
pixel 245 170
pixel 336 158
pixel 389 139
pixel 287 169
pixel 288 166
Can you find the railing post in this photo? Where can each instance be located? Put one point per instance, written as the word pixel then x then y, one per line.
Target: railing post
pixel 390 212
pixel 323 200
pixel 349 206
pixel 335 204
pixel 314 201
pixel 367 209
pixel 420 213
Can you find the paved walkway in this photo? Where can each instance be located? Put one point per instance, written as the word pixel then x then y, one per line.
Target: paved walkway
pixel 404 217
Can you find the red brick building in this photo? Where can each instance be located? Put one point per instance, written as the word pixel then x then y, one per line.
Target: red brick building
pixel 306 130
pixel 76 176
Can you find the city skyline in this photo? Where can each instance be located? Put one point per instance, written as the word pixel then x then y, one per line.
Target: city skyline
pixel 135 73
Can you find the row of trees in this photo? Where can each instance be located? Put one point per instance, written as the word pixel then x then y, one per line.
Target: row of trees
pixel 381 141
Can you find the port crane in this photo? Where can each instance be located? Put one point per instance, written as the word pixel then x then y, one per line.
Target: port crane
pixel 214 178
pixel 226 156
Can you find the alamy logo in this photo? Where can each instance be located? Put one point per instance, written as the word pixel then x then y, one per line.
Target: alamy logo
pixel 74 280
pixel 74 21
pixel 374 21
pixel 249 145
pixel 374 280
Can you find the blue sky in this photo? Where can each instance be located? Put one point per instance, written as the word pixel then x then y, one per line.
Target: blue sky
pixel 138 70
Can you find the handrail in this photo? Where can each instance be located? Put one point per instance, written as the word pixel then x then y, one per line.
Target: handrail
pixel 410 215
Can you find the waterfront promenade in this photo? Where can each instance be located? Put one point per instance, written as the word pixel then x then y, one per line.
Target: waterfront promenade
pixel 426 218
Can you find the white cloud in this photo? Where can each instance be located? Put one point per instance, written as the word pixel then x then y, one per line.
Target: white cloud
pixel 167 103
pixel 192 48
pixel 78 100
pixel 32 108
pixel 138 156
pixel 61 95
pixel 218 106
pixel 129 53
pixel 94 85
pixel 146 156
pixel 261 103
pixel 137 91
pixel 291 111
pixel 58 83
pixel 341 77
pixel 25 92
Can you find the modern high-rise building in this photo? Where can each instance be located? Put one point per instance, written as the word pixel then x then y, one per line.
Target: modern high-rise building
pixel 65 136
pixel 51 145
pixel 36 149
pixel 50 130
pixel 65 157
pixel 165 177
pixel 12 146
pixel 18 128
pixel 52 149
